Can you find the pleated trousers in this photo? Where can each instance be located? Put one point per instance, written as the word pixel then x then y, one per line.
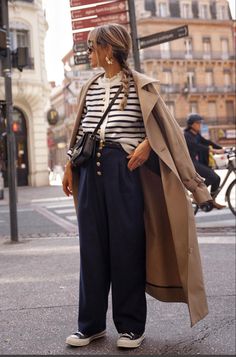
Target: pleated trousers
pixel 112 244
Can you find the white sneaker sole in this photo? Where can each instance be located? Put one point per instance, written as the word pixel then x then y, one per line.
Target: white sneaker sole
pixel 126 343
pixel 73 340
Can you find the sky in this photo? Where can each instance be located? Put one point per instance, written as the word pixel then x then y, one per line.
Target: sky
pixel 59 41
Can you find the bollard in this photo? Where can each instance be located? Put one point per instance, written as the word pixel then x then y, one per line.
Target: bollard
pixel 1 187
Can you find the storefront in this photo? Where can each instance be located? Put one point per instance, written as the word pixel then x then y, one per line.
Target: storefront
pixel 21 148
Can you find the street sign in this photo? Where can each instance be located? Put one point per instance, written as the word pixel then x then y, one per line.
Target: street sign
pixel 100 9
pixel 162 37
pixel 80 47
pixel 81 59
pixel 80 36
pixel 52 116
pixel 120 18
pixel 74 3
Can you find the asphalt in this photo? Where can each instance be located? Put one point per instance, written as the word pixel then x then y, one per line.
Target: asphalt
pixel 39 285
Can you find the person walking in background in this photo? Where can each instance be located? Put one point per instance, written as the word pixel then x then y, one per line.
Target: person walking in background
pixel 136 226
pixel 200 149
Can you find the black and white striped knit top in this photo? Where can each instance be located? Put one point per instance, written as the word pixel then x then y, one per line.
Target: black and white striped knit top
pixel 125 127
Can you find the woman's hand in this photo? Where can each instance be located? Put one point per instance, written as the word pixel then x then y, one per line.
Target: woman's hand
pixel 67 180
pixel 139 155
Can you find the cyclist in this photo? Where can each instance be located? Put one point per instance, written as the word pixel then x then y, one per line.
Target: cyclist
pixel 199 149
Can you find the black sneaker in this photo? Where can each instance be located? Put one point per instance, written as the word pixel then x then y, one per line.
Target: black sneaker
pixel 130 340
pixel 78 339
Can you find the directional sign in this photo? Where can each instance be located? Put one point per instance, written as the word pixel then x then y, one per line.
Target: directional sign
pixel 74 3
pixel 80 36
pixel 81 59
pixel 80 47
pixel 100 9
pixel 162 37
pixel 115 18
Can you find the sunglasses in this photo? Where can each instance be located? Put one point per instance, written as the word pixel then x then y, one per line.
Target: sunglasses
pixel 90 47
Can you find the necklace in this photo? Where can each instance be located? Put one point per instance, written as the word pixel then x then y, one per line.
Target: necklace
pixel 113 77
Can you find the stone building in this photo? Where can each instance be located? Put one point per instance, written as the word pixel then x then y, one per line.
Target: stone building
pixel 30 91
pixel 197 72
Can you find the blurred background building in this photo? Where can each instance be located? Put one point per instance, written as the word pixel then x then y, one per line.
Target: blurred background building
pixel 30 91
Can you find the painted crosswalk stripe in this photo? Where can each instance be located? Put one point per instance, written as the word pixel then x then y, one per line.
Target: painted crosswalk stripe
pixel 60 205
pixel 71 218
pixel 67 210
pixel 222 223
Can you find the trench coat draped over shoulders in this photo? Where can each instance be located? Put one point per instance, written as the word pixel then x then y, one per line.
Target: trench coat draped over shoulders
pixel 173 263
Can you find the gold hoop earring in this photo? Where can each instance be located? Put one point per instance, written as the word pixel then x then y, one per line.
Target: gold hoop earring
pixel 109 61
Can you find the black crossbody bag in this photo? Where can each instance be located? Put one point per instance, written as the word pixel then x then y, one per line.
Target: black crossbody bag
pixel 85 148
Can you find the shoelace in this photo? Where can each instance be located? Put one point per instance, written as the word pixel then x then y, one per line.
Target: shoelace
pixel 79 334
pixel 129 335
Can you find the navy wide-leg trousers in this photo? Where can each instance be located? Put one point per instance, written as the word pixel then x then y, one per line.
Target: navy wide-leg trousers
pixel 112 244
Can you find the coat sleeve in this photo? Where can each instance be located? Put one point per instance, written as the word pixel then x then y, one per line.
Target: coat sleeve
pixel 209 142
pixel 177 146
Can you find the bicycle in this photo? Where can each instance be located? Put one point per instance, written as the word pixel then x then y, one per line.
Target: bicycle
pixel 224 161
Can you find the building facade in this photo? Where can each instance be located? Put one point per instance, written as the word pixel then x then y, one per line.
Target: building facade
pixel 196 72
pixel 30 91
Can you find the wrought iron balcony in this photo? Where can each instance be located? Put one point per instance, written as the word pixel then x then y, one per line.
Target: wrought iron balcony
pixel 148 54
pixel 209 89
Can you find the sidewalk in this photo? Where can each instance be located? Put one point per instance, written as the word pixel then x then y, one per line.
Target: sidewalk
pixel 39 296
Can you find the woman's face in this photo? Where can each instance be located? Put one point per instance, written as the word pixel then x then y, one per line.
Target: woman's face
pixel 96 55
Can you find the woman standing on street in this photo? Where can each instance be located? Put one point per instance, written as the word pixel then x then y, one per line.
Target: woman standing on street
pixel 136 225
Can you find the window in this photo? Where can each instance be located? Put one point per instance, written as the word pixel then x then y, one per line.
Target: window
pixel 204 12
pixel 206 48
pixel 19 38
pixel 212 112
pixel 227 78
pixel 186 11
pixel 167 76
pixel 188 48
pixel 230 111
pixel 209 79
pixel 191 80
pixel 224 48
pixel 193 107
pixel 163 9
pixel 165 50
pixel 222 12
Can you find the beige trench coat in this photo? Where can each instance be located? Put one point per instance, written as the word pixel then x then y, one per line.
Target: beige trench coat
pixel 173 264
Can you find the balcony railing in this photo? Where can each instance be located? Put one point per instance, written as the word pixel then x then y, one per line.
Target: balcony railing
pixel 199 55
pixel 170 88
pixel 209 89
pixel 226 120
pixel 176 88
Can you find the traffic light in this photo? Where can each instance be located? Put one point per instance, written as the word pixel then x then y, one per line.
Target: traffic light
pixel 3 42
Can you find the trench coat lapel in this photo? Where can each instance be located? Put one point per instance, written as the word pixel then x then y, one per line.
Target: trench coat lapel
pixel 147 99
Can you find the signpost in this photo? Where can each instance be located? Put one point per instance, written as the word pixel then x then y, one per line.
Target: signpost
pixel 162 37
pixel 11 154
pixel 80 36
pixel 86 17
pixel 74 3
pixel 117 11
pixel 120 18
pixel 100 10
